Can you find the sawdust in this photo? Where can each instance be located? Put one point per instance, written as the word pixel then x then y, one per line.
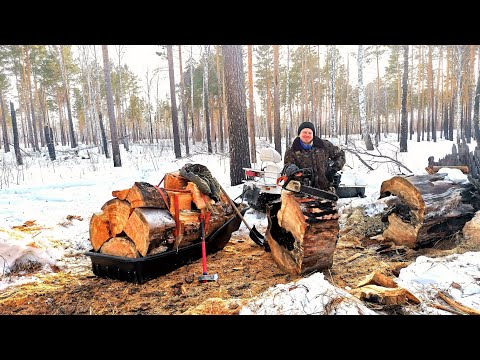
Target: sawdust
pixel 244 271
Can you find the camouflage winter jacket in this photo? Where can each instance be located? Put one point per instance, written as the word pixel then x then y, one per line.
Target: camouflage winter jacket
pixel 317 158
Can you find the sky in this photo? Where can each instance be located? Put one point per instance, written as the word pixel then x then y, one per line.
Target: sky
pixel 58 199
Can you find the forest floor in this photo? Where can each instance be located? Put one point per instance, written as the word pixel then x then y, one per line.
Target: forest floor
pixel 244 271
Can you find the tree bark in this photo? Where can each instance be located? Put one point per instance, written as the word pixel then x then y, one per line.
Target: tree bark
pixel 425 209
pixel 302 233
pixel 73 140
pixel 117 160
pixel 119 246
pixel 237 112
pixel 176 138
pixel 4 126
pixel 16 140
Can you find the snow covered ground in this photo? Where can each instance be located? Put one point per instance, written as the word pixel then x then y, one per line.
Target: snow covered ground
pixel 58 198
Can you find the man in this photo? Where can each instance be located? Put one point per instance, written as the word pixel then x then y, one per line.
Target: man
pixel 309 151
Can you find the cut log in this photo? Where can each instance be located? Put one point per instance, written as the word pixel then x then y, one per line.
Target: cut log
pixel 99 230
pixel 184 201
pixel 381 295
pixel 145 195
pixel 120 194
pixel 198 198
pixel 147 227
pixel 119 246
pixel 427 209
pixel 118 212
pixel 302 232
pixel 174 181
pixel 376 278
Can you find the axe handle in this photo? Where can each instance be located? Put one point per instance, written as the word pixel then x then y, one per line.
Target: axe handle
pixel 235 208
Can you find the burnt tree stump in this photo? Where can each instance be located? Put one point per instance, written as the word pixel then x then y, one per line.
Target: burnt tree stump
pixel 426 208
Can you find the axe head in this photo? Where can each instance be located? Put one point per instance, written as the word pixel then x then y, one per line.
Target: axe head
pixel 207 277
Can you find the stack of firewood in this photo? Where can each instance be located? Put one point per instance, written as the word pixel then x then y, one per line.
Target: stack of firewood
pixel 146 219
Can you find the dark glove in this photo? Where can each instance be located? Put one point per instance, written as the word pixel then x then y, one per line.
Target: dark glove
pixel 330 174
pixel 291 169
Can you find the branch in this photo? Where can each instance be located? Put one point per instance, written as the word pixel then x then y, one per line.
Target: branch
pixel 359 158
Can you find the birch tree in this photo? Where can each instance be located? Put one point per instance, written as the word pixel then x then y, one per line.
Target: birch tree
pixel 182 101
pixel 206 53
pixel 117 161
pixel 361 101
pixel 404 119
pixel 176 138
pixel 122 117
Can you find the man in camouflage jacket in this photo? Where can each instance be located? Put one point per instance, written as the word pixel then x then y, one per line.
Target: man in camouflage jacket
pixel 309 151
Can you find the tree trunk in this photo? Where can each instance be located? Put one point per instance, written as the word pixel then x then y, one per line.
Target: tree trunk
pixel 206 54
pixel 50 144
pixel 117 160
pixel 425 209
pixel 251 118
pixel 404 118
pixel 182 101
pixel 104 136
pixel 4 125
pixel 220 101
pixel 237 112
pixel 302 233
pixel 276 101
pixel 361 101
pixel 73 140
pixel 16 140
pixel 173 101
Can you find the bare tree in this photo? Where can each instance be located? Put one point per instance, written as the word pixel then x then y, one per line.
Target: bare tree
pixel 237 112
pixel 182 101
pixel 361 101
pixel 117 161
pixel 276 101
pixel 219 99
pixel 123 122
pixel 333 110
pixel 251 122
pixel 4 126
pixel 404 119
pixel 73 140
pixel 206 53
pixel 176 138
pixel 16 140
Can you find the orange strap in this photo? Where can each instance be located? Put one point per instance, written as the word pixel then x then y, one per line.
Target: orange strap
pixel 161 180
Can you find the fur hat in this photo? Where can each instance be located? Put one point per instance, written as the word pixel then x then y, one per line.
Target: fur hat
pixel 306 125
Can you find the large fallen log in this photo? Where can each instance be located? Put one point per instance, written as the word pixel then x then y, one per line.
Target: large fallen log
pixel 426 208
pixel 302 232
